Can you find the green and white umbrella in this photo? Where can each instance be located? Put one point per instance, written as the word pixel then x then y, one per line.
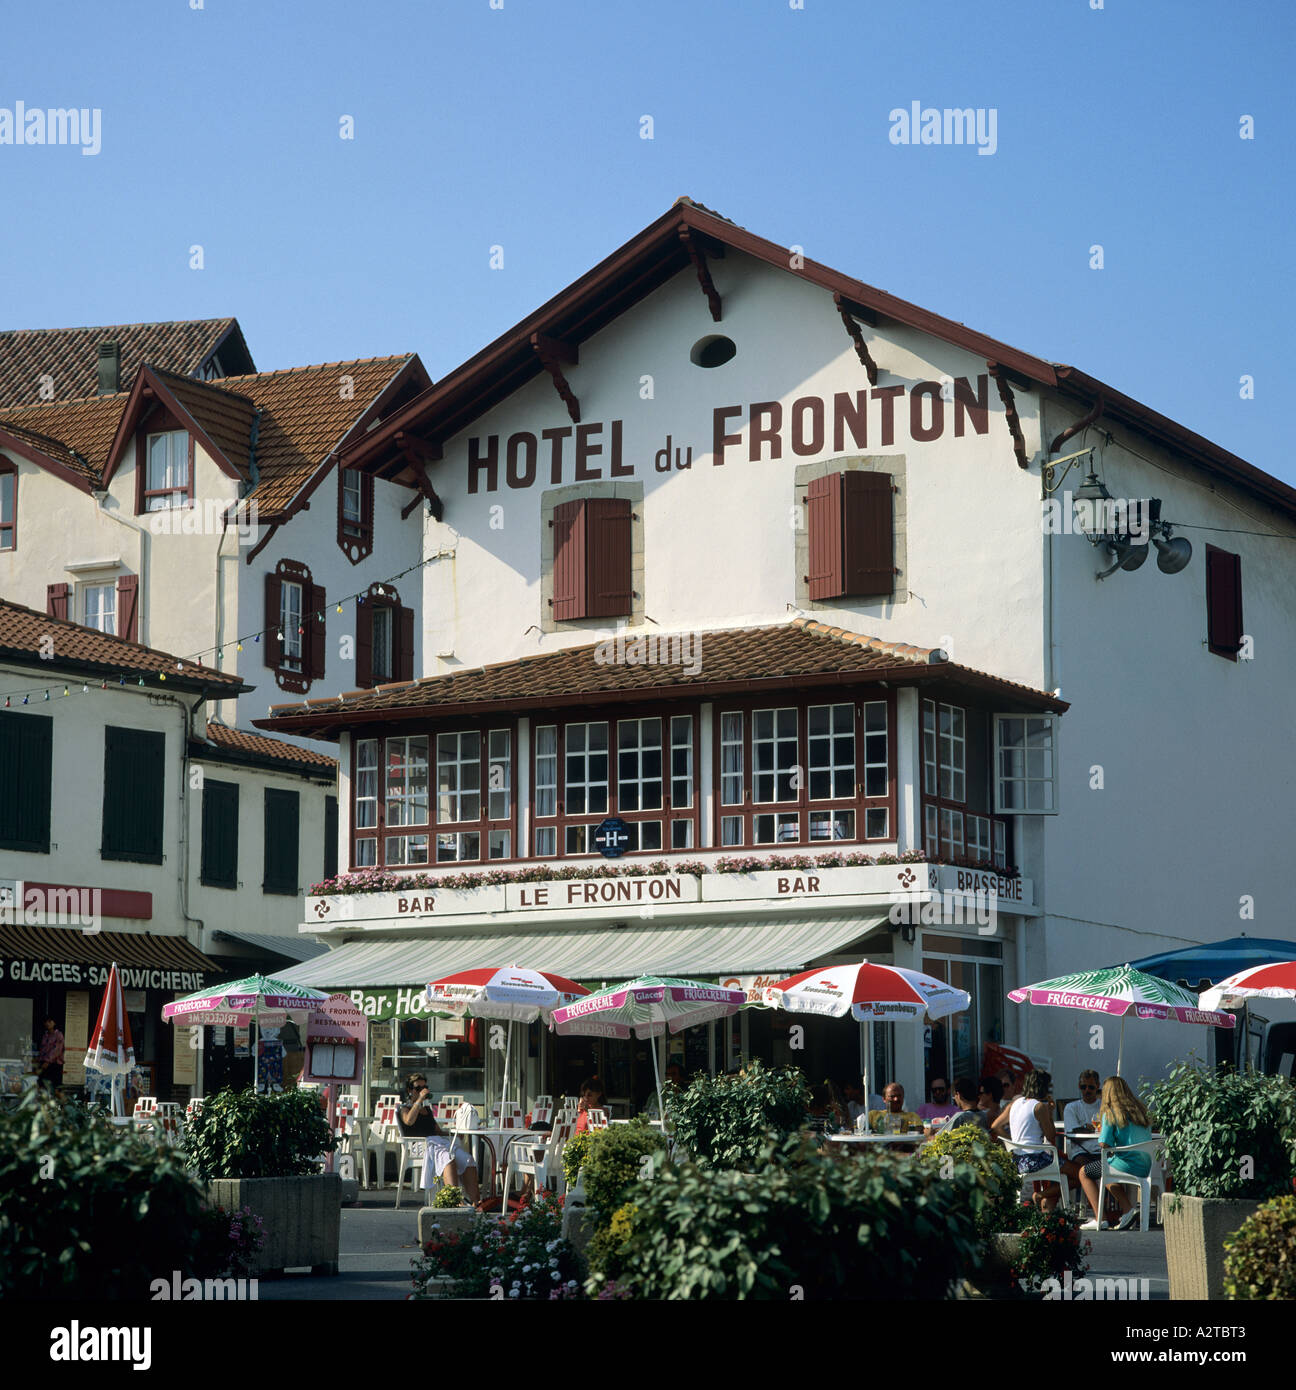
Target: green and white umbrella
pixel 1120 990
pixel 646 1007
pixel 257 999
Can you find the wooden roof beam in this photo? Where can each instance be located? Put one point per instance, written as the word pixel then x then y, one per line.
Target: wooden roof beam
pixel 849 313
pixel 553 353
pixel 697 255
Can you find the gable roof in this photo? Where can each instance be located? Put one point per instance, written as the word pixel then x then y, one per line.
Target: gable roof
pixel 70 356
pixel 731 661
pixel 24 641
pixel 271 430
pixel 242 746
pixel 664 249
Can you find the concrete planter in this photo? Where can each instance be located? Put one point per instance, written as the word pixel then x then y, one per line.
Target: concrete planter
pixel 302 1218
pixel 1195 1231
pixel 452 1220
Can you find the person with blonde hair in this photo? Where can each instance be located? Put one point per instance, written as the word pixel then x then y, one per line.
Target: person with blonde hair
pixel 1121 1120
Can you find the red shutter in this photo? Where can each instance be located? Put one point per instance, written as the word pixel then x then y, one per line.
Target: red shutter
pixel 868 545
pixel 364 644
pixel 56 600
pixel 270 638
pixel 569 599
pixel 824 521
pixel 403 636
pixel 128 607
pixel 313 620
pixel 1223 601
pixel 607 541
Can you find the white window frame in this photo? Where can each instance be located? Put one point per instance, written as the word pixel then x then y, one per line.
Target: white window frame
pixel 108 610
pixel 546 771
pixel 1048 781
pixel 167 487
pixel 352 518
pixel 585 782
pixel 499 753
pixel 681 741
pixel 733 744
pixel 400 805
pixel 639 732
pixel 290 624
pixel 382 657
pixel 464 779
pixel 832 767
pixel 774 741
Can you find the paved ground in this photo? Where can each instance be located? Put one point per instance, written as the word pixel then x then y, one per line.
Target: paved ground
pixel 378 1243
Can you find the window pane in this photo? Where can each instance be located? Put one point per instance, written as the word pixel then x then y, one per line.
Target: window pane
pixel 459 777
pixel 731 830
pixel 499 773
pixel 731 761
pixel 832 825
pixel 546 796
pixel 681 834
pixel 407 849
pixel 366 785
pixel 681 761
pixel 774 755
pixel 776 829
pixel 366 853
pixel 639 785
pixel 381 666
pixel 546 840
pixel 587 769
pixel 875 823
pixel 407 781
pixel 832 759
pixel 500 842
pixel 6 498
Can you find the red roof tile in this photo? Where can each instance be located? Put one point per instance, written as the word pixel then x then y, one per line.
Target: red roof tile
pixel 261 747
pixel 25 635
pixel 70 356
pixel 730 659
pixel 77 434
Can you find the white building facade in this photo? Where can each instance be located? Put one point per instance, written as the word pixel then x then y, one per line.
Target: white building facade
pixel 853 615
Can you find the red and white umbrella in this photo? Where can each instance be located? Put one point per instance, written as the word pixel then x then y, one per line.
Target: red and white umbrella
pixel 510 993
pixel 1277 981
pixel 869 993
pixel 110 1049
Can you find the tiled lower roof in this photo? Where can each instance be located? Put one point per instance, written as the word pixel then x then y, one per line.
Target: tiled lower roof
pixel 262 747
pixel 77 434
pixel 730 659
pixel 26 634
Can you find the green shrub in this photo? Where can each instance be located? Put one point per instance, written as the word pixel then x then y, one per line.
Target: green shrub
pixel 1050 1245
pixel 240 1134
pixel 448 1197
pixel 606 1250
pixel 575 1152
pixel 1215 1119
pixel 726 1121
pixel 617 1159
pixel 992 1163
pixel 811 1224
pixel 1260 1257
pixel 91 1210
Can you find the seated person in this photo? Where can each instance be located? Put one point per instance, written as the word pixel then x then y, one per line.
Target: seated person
pixel 989 1097
pixel 853 1093
pixel 966 1094
pixel 674 1077
pixel 1079 1115
pixel 1029 1121
pixel 940 1106
pixel 827 1114
pixel 893 1105
pixel 1121 1120
pixel 591 1098
pixel 456 1167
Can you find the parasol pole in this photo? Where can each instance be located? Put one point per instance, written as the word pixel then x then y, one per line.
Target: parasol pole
pixel 508 1048
pixel 1120 1050
pixel 661 1104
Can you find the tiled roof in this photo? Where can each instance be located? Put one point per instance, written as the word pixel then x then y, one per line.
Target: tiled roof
pixel 736 659
pixel 70 356
pixel 305 413
pixel 301 415
pixel 23 638
pixel 75 433
pixel 262 747
pixel 225 414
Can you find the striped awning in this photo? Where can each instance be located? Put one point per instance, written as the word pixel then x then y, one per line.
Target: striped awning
pixel 593 954
pixel 289 947
pixel 102 948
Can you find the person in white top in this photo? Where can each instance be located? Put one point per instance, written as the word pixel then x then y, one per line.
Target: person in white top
pixel 1029 1120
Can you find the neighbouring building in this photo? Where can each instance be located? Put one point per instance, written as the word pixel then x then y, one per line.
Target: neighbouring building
pixel 136 828
pixel 776 582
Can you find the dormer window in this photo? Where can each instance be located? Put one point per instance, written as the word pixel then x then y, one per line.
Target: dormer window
pixel 100 607
pixel 167 478
pixel 355 513
pixel 8 505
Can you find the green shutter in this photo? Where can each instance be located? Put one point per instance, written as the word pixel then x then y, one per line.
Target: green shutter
pixel 26 771
pixel 134 788
pixel 220 810
pixel 281 842
pixel 330 836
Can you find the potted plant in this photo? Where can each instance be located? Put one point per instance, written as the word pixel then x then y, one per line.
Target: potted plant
pixel 998 1221
pixel 726 1121
pixel 262 1152
pixel 1230 1144
pixel 1260 1260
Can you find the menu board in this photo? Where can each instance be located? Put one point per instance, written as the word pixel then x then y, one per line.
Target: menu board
pixel 76 1036
pixel 186 1040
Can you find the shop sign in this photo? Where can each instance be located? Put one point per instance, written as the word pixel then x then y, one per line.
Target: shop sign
pixel 755 985
pixel 335 1041
pixel 638 891
pixel 49 972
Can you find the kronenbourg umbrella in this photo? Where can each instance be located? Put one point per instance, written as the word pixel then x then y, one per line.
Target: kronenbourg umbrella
pixel 646 1007
pixel 510 993
pixel 869 993
pixel 111 1051
pixel 1277 981
pixel 1120 990
pixel 240 1003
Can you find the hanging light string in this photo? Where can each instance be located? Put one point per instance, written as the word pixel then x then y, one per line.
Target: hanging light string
pixel 65 689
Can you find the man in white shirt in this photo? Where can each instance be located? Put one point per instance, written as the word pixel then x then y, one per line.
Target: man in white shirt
pixel 1077 1115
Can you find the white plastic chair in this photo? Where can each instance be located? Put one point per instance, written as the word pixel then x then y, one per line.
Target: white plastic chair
pixel 413 1156
pixel 571 1102
pixel 383 1134
pixel 500 1115
pixel 540 1158
pixel 542 1115
pixel 144 1114
pixel 1052 1173
pixel 450 1104
pixel 541 1102
pixel 391 1098
pixel 167 1121
pixel 355 1142
pixel 1112 1177
pixel 598 1119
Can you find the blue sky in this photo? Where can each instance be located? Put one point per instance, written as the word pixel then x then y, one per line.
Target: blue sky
pixel 520 126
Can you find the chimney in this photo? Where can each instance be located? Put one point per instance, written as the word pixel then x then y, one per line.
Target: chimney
pixel 109 368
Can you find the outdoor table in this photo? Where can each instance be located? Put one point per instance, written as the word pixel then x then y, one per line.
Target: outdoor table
pixel 876 1138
